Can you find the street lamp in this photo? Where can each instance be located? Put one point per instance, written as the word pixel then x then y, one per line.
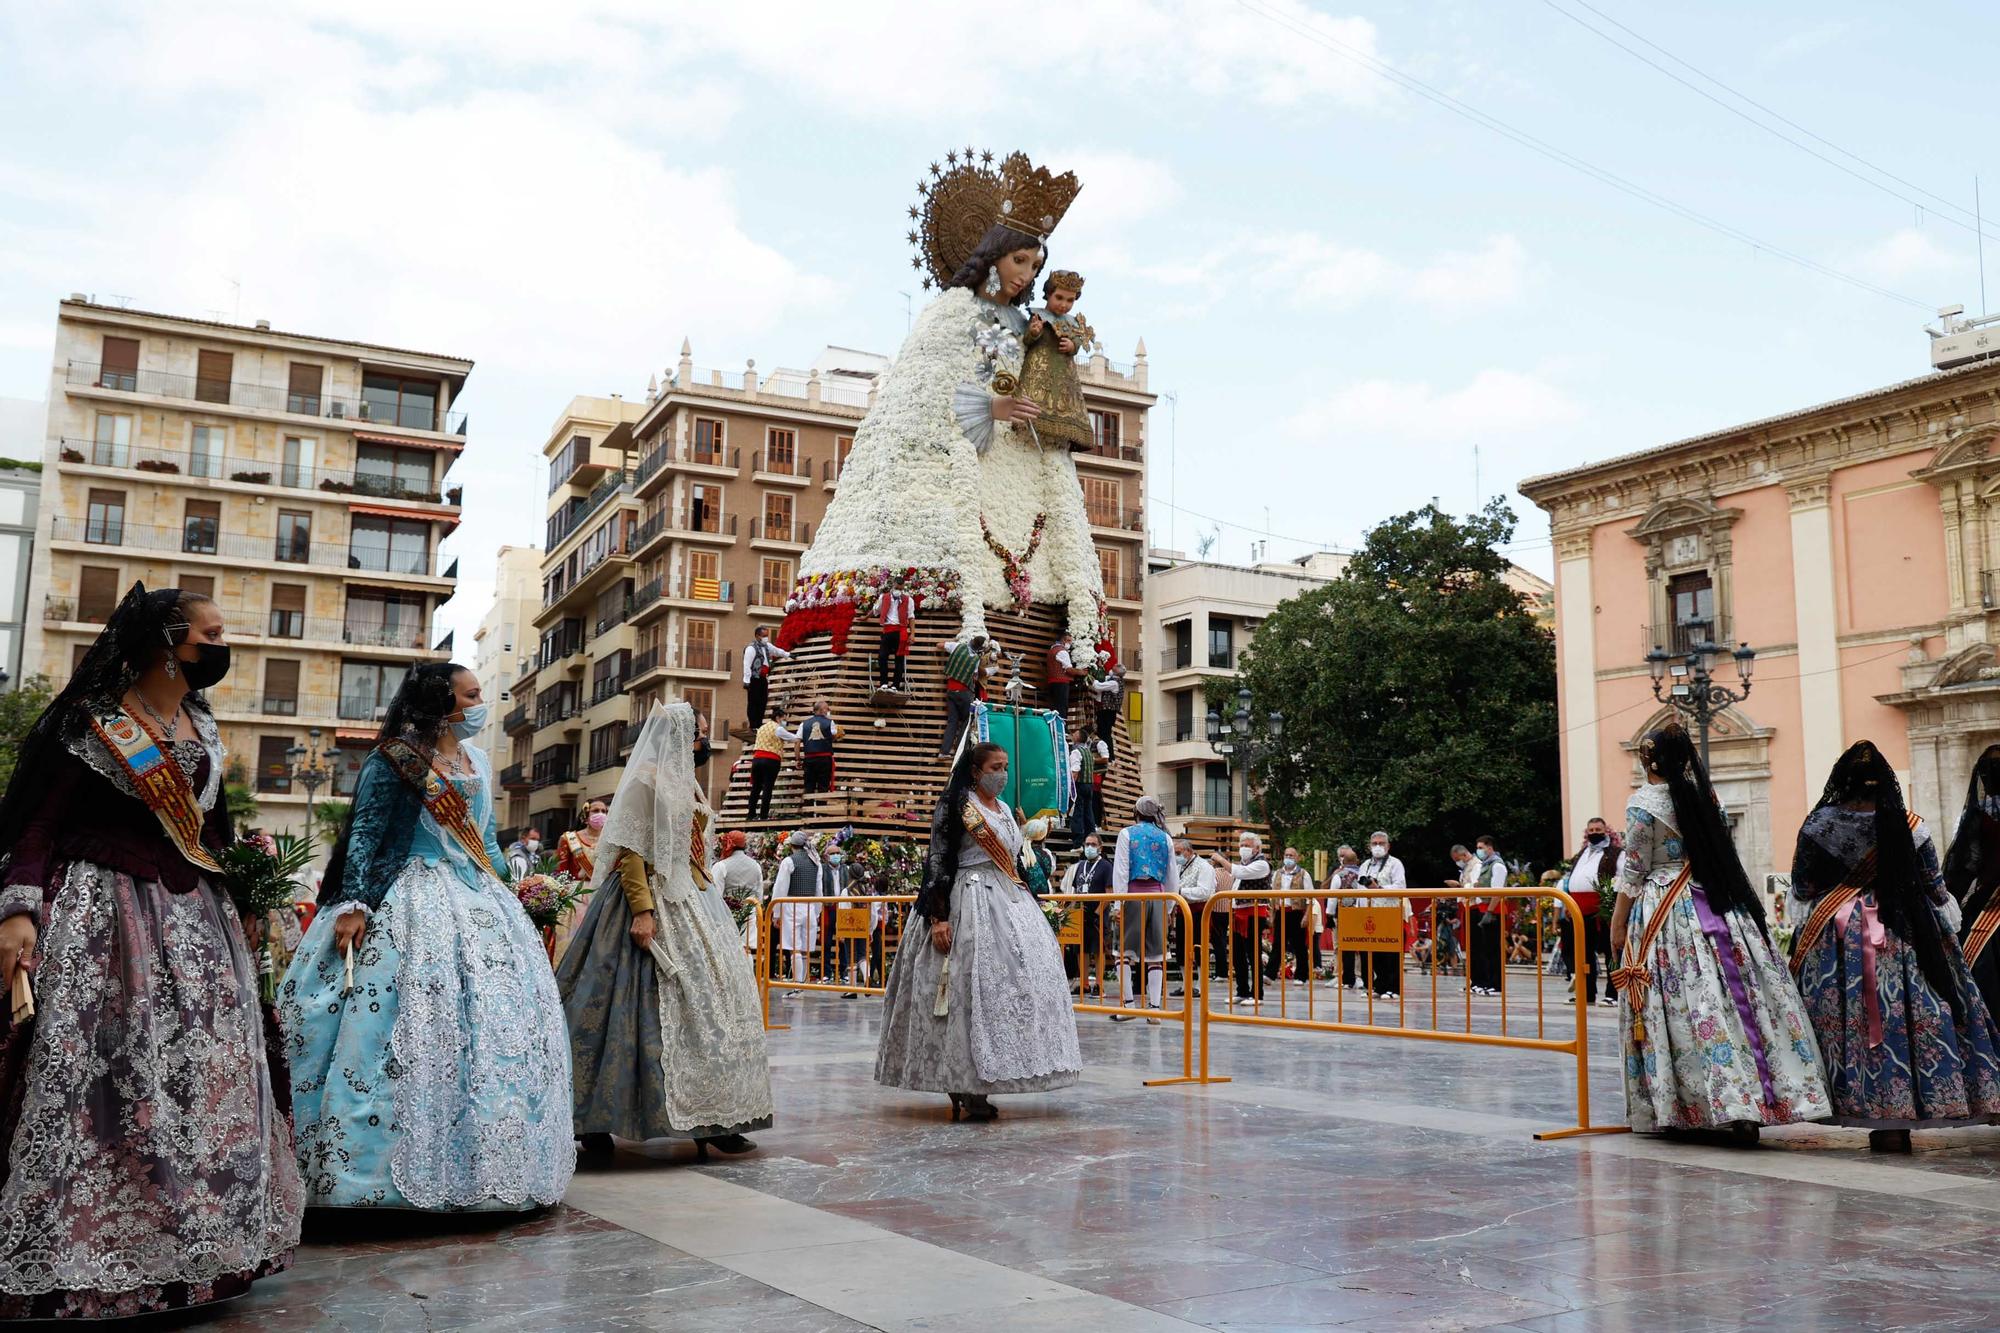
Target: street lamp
pixel 312 767
pixel 1694 692
pixel 1242 740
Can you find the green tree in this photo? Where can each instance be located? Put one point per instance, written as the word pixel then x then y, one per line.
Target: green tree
pixel 239 800
pixel 1419 697
pixel 328 816
pixel 19 707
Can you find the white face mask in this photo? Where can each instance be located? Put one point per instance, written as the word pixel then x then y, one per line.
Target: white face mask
pixel 1244 851
pixel 1291 863
pixel 1378 850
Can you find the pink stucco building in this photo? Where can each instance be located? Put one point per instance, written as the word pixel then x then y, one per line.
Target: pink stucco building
pixel 1855 545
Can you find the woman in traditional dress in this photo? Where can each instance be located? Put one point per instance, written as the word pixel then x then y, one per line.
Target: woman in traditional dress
pixel 1972 875
pixel 576 856
pixel 1715 1035
pixel 977 1002
pixel 1906 1038
pixel 665 1027
pixel 430 1065
pixel 145 1148
pixel 948 493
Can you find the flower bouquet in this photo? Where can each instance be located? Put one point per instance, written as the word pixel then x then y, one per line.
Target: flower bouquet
pixel 260 874
pixel 547 896
pixel 1057 915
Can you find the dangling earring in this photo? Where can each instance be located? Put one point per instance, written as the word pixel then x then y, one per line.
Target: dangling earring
pixel 993 281
pixel 173 667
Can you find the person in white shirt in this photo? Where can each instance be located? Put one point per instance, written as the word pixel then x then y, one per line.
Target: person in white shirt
pixel 1486 961
pixel 800 875
pixel 1383 871
pixel 1251 874
pixel 1197 885
pixel 759 656
pixel 1293 914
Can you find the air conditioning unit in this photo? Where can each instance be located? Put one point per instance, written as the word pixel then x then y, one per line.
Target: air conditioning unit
pixel 337 410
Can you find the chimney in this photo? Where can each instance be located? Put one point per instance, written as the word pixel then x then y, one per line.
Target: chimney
pixel 263 326
pixel 750 375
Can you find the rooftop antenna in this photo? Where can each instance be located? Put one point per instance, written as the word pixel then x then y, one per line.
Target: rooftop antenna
pixel 122 302
pixel 1979 231
pixel 909 311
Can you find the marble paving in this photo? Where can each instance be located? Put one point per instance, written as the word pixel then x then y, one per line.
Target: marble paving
pixel 1339 1181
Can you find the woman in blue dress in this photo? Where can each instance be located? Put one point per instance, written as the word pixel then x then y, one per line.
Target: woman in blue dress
pixel 430 1062
pixel 1906 1037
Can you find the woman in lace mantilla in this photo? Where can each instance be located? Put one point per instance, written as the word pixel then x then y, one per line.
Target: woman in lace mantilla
pixel 1972 875
pixel 1906 1037
pixel 666 1028
pixel 145 1146
pixel 439 1080
pixel 977 1002
pixel 1714 1034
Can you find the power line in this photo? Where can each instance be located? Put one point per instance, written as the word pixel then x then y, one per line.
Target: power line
pixel 1975 225
pixel 1600 174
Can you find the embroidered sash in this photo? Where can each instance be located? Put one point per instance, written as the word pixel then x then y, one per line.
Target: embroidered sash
pixel 1839 903
pixel 441 799
pixel 1636 975
pixel 1984 926
pixel 159 782
pixel 698 848
pixel 989 842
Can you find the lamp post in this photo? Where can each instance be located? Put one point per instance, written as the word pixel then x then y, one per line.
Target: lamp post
pixel 1694 691
pixel 312 767
pixel 1242 739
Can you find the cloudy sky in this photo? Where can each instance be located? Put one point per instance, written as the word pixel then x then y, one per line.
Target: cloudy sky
pixel 1346 281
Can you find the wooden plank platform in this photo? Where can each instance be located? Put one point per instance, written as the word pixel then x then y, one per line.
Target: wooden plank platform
pixel 887 776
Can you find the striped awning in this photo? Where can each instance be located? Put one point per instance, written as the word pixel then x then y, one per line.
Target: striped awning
pixel 384 511
pixel 408 442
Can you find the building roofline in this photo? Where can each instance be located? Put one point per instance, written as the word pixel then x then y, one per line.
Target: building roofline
pixel 1552 481
pixel 253 331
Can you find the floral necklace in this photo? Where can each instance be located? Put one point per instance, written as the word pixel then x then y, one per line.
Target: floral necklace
pixel 1016 567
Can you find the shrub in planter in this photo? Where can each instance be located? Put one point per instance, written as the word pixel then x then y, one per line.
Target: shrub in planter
pixel 72 455
pixel 256 478
pixel 339 487
pixel 156 465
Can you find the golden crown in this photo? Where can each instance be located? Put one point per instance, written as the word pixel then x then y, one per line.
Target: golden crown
pixel 1065 279
pixel 968 195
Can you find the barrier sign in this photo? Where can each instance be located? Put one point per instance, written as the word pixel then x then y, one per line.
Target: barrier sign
pixel 851 923
pixel 1371 929
pixel 1071 933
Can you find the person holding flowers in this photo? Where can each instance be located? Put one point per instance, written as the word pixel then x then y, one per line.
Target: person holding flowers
pixel 430 1066
pixel 665 1027
pixel 145 1144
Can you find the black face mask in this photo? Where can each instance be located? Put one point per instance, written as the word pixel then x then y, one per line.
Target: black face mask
pixel 1598 839
pixel 210 665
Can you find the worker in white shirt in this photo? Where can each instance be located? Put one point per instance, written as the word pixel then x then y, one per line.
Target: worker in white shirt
pixel 1197 885
pixel 1249 873
pixel 759 656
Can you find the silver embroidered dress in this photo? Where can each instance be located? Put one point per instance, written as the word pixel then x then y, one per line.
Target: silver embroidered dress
pixel 1008 1026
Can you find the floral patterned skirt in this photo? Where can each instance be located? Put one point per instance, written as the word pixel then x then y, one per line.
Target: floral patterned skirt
pixel 148 1154
pixel 441 1081
pixel 1720 1035
pixel 1925 1068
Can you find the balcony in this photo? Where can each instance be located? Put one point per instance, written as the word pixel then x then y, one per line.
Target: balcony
pixel 262 705
pixel 767 600
pixel 715 527
pixel 573 515
pixel 700 657
pixel 250 472
pixel 1115 453
pixel 1176 659
pixel 645 600
pixel 781 532
pixel 516 720
pixel 712 461
pixel 610 687
pixel 265 398
pixel 703 593
pixel 197 539
pixel 1178 732
pixel 649 532
pixel 643 665
pixel 789 469
pixel 1681 636
pixel 1120 519
pixel 362 708
pixel 514 777
pixel 1122 590
pixel 554 772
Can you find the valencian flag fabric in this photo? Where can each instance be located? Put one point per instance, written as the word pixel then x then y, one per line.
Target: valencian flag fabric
pixel 1037 746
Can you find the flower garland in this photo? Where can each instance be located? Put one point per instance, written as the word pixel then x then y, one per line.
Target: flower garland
pixel 827 603
pixel 1015 568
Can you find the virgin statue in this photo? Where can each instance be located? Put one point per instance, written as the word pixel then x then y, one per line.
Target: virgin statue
pixel 949 493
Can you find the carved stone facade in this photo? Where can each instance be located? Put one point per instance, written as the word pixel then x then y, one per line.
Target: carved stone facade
pixel 1855 545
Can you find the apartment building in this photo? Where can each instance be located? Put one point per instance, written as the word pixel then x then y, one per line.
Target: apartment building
pixel 734 475
pixel 502 647
pixel 567 712
pixel 302 481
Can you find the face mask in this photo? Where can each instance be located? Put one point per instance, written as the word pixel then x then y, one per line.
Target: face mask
pixel 1244 851
pixel 531 846
pixel 596 821
pixel 1378 850
pixel 834 858
pixel 1598 839
pixel 470 721
pixel 1090 853
pixel 1291 863
pixel 993 783
pixel 210 665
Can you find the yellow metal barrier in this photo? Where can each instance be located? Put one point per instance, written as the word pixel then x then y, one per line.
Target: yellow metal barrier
pixel 868 953
pixel 1245 915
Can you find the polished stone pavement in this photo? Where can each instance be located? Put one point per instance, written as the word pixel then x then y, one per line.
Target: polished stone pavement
pixel 1340 1181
